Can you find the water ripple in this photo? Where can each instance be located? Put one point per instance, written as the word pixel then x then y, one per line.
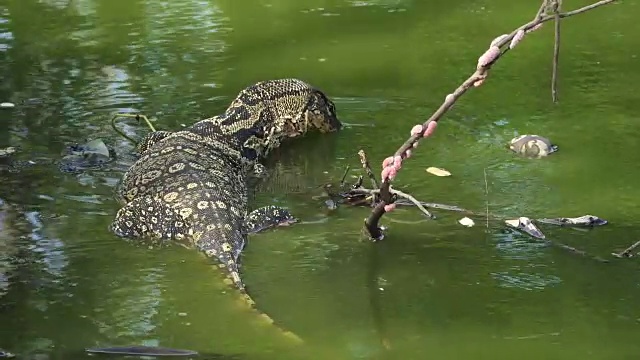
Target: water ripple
pixel 525 281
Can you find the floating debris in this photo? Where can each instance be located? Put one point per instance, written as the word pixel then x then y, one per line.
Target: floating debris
pixel 438 171
pixel 7 105
pixel 525 224
pixel 585 220
pixel 466 222
pixel 141 351
pixel 7 151
pixel 6 355
pixel 532 146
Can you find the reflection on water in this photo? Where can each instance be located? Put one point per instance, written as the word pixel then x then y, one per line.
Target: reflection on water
pixel 515 278
pixel 51 251
pixel 131 310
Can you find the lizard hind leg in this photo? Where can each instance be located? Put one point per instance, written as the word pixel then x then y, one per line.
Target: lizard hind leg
pixel 148 217
pixel 225 256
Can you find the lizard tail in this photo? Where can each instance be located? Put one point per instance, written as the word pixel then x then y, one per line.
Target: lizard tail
pixel 233 278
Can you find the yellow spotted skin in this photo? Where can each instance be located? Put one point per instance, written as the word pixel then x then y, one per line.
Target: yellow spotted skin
pixel 150 139
pixel 191 185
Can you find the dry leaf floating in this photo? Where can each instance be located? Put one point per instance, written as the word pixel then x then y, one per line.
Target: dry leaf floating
pixel 438 172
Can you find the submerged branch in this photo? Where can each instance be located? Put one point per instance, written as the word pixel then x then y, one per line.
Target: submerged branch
pixel 367 194
pixel 627 252
pixel 485 62
pixel 573 250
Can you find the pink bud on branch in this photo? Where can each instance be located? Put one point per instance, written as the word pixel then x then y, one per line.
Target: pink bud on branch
pixel 488 57
pixel 536 27
pixel 497 40
pixel 516 39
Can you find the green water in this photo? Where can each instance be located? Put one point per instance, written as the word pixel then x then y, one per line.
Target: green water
pixel 432 289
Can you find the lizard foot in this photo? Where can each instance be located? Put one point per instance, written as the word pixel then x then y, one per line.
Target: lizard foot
pixel 267 217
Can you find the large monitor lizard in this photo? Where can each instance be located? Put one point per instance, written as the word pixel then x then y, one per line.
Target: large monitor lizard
pixel 191 185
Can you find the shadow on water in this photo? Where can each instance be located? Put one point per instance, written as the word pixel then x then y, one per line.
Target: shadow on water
pixel 431 288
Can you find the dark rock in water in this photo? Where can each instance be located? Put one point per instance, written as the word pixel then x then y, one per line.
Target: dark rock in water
pixel 331 204
pixel 92 155
pixel 8 161
pixel 142 351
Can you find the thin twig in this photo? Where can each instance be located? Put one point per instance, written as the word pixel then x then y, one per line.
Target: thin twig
pixel 344 176
pixel 371 223
pixel 586 8
pixel 420 205
pixel 135 116
pixel 120 132
pixel 555 7
pixel 541 10
pixel 367 168
pixel 577 251
pixel 486 192
pixel 413 200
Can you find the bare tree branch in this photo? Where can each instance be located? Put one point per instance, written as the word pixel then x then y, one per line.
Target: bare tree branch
pixel 485 62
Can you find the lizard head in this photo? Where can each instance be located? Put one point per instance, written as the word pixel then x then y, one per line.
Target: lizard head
pixel 315 112
pixel 321 114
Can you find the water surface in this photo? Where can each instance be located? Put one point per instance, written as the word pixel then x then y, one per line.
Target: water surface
pixel 431 289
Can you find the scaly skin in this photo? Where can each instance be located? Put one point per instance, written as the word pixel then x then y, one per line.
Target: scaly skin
pixel 191 185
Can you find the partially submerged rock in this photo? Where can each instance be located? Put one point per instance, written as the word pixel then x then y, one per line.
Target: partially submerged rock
pixel 6 355
pixel 532 146
pixel 91 155
pixel 6 152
